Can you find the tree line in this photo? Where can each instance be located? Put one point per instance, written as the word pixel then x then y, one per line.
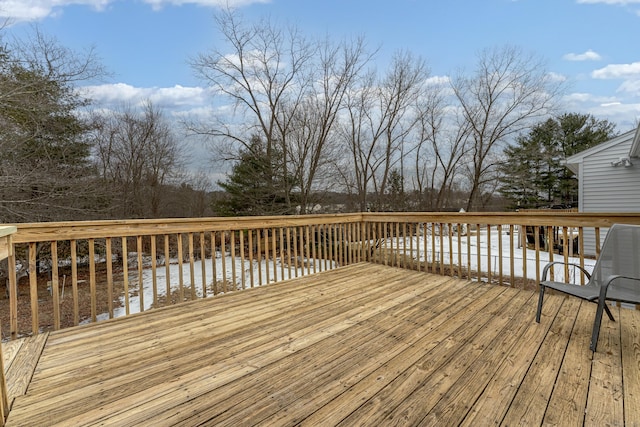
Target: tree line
pixel 313 116
pixel 313 122
pixel 59 160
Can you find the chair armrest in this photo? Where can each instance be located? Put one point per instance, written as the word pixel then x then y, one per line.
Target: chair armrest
pixel 607 282
pixel 550 264
pixel 613 277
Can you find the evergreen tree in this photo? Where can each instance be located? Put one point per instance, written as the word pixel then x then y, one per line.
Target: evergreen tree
pixel 533 173
pixel 254 187
pixel 46 168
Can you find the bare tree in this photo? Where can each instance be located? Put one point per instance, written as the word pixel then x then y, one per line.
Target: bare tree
pixel 138 155
pixel 508 91
pixel 265 75
pixel 380 119
pixel 447 145
pixel 311 146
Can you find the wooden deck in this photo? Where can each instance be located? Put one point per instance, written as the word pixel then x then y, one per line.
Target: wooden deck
pixel 364 344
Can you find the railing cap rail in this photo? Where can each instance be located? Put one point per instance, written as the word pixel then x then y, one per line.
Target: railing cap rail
pixel 6 230
pixel 50 231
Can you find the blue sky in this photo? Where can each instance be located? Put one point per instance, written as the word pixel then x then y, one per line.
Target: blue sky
pixel 146 44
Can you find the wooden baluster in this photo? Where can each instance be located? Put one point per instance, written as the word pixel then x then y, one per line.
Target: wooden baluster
pixel 289 249
pixel 92 280
pixel 13 293
pixel 459 250
pixel 192 269
pixel 500 267
pixel 404 255
pixel 251 267
pixel 125 275
pixel 313 248
pixel 425 240
pixel 282 252
pixel 479 254
pixel 74 274
pixel 55 291
pixel 140 281
pixel 33 286
pixel 433 248
pixel 468 251
pixel 550 249
pixel 581 252
pixel 307 248
pixel 303 252
pixel 223 259
pixel 295 251
pixel 74 284
pixel 274 258
pixel 242 275
pixel 232 249
pixel 511 255
pixel 180 270
pixel 167 270
pixel 154 266
pixel 450 232
pixel 489 275
pixel 524 256
pixel 266 256
pixel 203 267
pixel 536 230
pixel 214 263
pixel 441 249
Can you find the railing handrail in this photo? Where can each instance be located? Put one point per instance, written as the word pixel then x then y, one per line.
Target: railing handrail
pixel 68 230
pixel 544 218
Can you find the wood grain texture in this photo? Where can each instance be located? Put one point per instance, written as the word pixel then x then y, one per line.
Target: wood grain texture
pixel 365 344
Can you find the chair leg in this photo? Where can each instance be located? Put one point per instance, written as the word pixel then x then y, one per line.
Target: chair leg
pixel 597 322
pixel 540 299
pixel 606 308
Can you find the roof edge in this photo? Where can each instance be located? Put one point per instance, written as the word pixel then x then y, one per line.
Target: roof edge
pixel 635 145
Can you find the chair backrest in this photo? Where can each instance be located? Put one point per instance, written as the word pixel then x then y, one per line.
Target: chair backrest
pixel 620 255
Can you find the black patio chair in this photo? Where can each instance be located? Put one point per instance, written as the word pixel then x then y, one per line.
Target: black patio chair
pixel 615 277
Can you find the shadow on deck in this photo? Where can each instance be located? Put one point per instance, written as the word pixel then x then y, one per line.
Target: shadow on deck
pixel 364 344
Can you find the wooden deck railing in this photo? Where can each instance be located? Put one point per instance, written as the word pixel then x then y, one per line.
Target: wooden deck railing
pixel 74 272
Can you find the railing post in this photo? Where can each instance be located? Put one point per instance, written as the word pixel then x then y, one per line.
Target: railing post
pixel 7 251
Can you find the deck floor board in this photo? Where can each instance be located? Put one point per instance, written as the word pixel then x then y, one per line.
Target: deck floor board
pixel 365 344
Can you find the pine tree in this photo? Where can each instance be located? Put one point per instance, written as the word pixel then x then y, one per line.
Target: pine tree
pixel 533 173
pixel 254 186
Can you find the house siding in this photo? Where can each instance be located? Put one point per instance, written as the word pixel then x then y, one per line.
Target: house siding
pixel 605 188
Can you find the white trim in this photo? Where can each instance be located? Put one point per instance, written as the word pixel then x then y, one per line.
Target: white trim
pixel 635 146
pixel 572 162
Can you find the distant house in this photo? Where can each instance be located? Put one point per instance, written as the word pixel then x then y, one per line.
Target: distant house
pixel 608 178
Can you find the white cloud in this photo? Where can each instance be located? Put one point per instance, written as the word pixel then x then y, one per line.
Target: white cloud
pixel 589 55
pixel 617 71
pixel 621 111
pixel 33 10
pixel 556 77
pixel 438 81
pixel 584 98
pixel 167 97
pixel 631 87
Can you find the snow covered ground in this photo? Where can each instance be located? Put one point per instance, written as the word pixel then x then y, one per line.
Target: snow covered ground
pixel 520 259
pixel 265 269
